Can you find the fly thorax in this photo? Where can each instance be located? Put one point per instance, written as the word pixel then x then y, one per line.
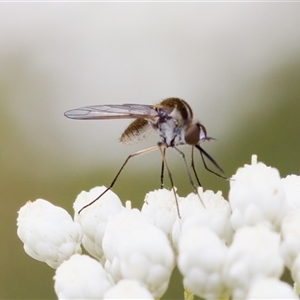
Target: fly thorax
pixel 176 114
pixel 170 131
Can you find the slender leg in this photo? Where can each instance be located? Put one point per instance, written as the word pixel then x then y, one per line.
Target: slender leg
pixel 203 152
pixel 189 174
pixel 162 147
pixel 144 151
pixel 193 167
pixel 162 170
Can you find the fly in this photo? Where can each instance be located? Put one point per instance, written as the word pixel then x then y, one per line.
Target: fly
pixel 172 119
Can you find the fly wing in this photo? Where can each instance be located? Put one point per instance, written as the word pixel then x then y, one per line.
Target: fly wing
pixel 103 112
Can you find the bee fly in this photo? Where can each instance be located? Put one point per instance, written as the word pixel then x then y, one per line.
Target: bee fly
pixel 172 119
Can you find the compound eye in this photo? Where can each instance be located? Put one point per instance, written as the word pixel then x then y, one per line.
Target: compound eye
pixel 192 134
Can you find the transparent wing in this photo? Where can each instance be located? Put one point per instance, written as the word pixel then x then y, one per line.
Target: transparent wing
pixel 102 112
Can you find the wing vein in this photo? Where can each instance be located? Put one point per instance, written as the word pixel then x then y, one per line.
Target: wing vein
pixel 124 111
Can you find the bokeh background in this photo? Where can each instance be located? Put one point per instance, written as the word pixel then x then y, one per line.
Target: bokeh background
pixel 236 64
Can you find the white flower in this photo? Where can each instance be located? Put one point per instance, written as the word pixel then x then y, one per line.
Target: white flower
pixel 254 253
pixel 93 219
pixel 291 186
pixel 128 289
pixel 136 249
pixel 160 206
pixel 295 270
pixel 215 215
pixel 256 196
pixel 270 288
pixel 48 232
pixel 290 235
pixel 81 277
pixel 201 255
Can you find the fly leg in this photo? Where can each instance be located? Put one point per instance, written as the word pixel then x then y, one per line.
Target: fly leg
pixel 144 151
pixel 162 147
pixel 204 153
pixel 162 170
pixel 189 174
pixel 193 167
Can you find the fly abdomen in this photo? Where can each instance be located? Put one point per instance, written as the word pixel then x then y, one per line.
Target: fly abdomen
pixel 136 131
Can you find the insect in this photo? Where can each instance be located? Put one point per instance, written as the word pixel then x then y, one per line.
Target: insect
pixel 172 119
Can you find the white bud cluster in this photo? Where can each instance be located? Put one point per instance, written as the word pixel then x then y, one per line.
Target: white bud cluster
pixel 256 196
pixel 93 219
pixel 81 277
pixel 136 249
pixel 48 232
pixel 224 249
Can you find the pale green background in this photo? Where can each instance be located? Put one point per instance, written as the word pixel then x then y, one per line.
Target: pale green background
pixel 237 64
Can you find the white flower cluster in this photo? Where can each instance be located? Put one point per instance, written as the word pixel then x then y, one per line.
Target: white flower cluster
pixel 228 249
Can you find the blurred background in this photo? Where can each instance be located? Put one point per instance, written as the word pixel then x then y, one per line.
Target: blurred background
pixel 236 64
